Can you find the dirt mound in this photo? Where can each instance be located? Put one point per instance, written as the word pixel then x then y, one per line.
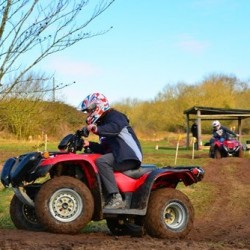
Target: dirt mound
pixel 227 218
pixel 224 224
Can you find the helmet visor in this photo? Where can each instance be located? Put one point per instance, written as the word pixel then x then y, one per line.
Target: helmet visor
pixel 216 127
pixel 82 107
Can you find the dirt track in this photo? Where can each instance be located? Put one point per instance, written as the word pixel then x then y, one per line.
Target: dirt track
pixel 225 224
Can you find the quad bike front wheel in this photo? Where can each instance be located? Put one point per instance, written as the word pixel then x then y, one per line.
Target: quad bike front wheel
pixel 170 214
pixel 24 216
pixel 64 205
pixel 217 154
pixel 240 153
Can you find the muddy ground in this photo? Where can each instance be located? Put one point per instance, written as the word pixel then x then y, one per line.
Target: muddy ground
pixel 225 223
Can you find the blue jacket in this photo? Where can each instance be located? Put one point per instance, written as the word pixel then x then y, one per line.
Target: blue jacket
pixel 118 137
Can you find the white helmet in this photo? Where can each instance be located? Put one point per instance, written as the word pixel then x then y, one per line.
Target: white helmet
pixel 216 124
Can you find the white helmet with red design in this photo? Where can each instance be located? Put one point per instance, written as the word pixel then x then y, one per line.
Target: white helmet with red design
pixel 95 105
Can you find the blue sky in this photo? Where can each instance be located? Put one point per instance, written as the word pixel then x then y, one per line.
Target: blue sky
pixel 152 44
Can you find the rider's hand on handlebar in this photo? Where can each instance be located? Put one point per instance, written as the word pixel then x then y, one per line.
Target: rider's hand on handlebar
pixel 92 128
pixel 86 144
pixel 83 132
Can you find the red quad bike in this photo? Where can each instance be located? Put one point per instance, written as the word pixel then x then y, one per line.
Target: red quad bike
pixel 61 192
pixel 224 148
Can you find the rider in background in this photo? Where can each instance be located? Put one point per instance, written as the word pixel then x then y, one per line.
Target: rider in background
pixel 118 144
pixel 220 133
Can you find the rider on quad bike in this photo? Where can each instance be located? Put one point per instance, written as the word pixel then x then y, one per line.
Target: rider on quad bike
pixel 62 191
pixel 220 133
pixel 119 146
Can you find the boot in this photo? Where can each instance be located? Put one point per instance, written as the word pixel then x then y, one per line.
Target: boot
pixel 115 202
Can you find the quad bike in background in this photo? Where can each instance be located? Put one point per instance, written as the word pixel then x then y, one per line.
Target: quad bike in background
pixel 61 192
pixel 229 147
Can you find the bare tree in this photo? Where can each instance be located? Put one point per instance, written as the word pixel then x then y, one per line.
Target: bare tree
pixel 28 26
pixel 25 112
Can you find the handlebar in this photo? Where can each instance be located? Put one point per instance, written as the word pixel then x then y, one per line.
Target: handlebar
pixel 74 142
pixel 84 132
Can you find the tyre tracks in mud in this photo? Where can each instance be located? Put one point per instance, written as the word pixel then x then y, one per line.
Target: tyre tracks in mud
pixel 227 217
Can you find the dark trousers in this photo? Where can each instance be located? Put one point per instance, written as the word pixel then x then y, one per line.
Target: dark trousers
pixel 106 165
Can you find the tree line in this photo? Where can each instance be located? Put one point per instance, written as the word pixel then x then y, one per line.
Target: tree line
pixel 24 115
pixel 165 112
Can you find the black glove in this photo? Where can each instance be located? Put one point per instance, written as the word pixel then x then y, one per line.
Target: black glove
pixel 84 132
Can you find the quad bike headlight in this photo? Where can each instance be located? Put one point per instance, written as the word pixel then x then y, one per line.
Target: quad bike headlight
pixel 45 154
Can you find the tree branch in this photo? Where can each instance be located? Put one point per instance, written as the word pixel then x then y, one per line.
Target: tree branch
pixel 42 28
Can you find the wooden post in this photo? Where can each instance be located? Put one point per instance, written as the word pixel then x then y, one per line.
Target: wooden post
pixel 199 141
pixel 188 131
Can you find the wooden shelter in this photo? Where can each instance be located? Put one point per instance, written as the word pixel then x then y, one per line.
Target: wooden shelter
pixel 208 113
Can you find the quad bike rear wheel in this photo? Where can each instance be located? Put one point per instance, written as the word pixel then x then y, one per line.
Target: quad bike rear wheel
pixel 64 205
pixel 24 216
pixel 170 214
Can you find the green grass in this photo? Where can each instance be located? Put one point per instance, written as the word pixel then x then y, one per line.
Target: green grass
pixel 200 195
pixel 5 197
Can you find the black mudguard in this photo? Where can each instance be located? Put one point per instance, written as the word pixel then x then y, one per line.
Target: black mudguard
pixel 5 175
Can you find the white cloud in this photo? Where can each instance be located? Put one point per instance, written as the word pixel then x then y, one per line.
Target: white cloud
pixel 65 66
pixel 191 45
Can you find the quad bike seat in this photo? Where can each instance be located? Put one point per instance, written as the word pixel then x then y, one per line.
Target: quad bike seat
pixel 137 173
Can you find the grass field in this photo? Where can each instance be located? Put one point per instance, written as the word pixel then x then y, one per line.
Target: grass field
pixel 166 155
